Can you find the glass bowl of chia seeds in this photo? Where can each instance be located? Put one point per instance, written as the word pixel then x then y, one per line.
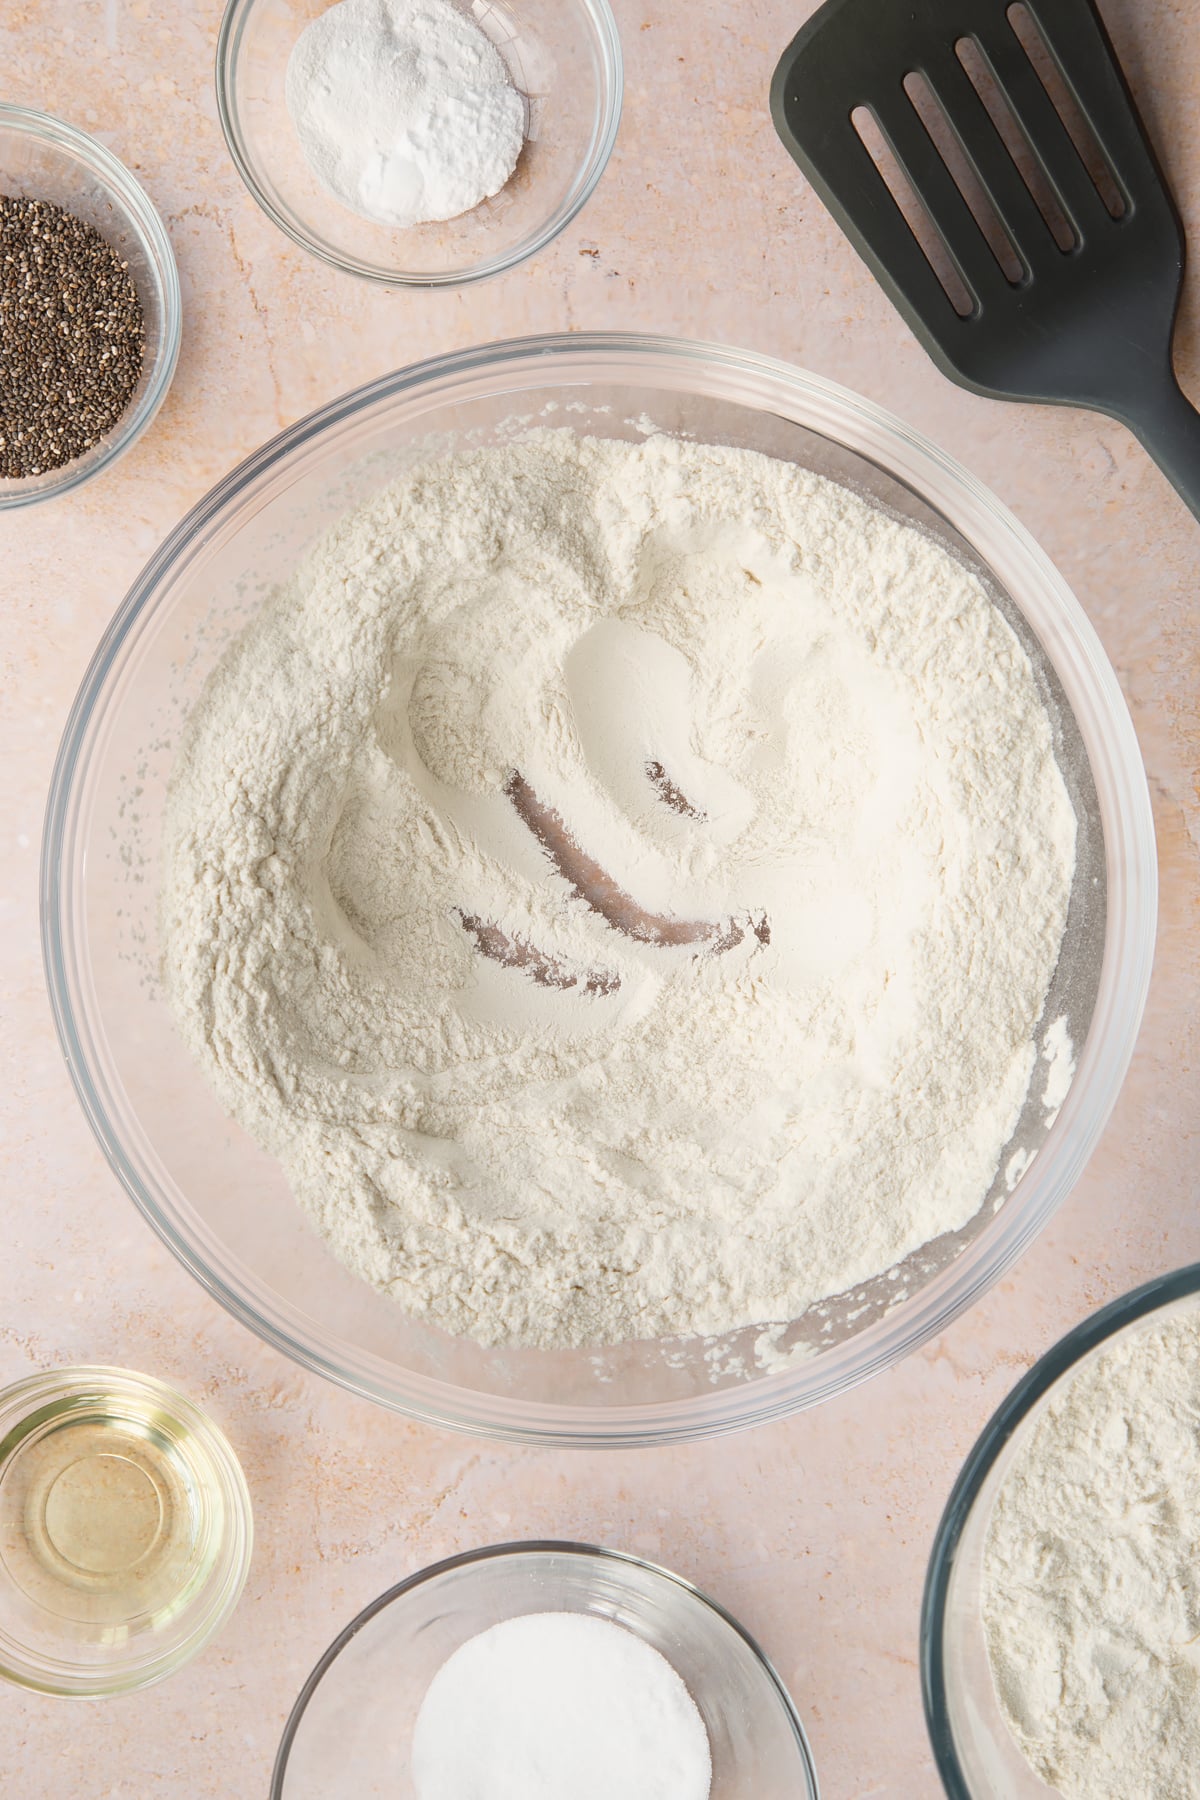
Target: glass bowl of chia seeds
pixel 90 311
pixel 971 1705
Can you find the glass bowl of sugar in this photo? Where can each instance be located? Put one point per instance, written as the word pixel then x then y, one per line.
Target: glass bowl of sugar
pixel 402 1701
pixel 422 143
pixel 1058 1630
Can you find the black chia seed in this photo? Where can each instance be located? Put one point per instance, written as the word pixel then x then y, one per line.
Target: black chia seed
pixel 72 336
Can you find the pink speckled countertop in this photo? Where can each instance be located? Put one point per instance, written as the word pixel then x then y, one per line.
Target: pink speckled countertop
pixel 815 1532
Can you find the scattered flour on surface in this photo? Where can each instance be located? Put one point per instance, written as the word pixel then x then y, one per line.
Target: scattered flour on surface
pixel 760 707
pixel 1091 1580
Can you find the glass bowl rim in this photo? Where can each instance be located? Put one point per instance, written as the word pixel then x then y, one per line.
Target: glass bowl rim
pixel 221 1592
pixel 909 458
pixel 144 217
pixel 234 20
pixel 539 1547
pixel 1051 1367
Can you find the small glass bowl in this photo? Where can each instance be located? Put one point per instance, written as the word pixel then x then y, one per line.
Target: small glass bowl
pixel 977 1756
pixel 125 1531
pixel 351 1729
pixel 564 57
pixel 47 159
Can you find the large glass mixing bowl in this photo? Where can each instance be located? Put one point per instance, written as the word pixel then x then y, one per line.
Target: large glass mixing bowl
pixel 223 1205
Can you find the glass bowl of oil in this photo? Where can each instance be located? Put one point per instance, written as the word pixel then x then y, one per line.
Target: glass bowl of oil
pixel 125 1531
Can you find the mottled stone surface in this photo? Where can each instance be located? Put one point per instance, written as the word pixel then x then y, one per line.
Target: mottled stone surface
pixel 814 1531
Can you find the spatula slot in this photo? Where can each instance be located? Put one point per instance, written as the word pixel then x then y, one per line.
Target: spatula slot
pixel 933 245
pixel 1049 73
pixel 979 74
pixel 932 115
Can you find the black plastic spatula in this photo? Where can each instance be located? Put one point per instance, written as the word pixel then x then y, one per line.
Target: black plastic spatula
pixel 989 163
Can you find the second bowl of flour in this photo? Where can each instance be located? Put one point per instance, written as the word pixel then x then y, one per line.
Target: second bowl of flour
pixel 644 879
pixel 1061 1616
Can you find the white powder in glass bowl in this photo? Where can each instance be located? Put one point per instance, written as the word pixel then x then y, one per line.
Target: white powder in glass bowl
pixel 621 883
pixel 559 1706
pixel 404 109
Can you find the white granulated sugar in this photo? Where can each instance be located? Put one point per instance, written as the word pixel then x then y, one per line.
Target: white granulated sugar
pixel 792 743
pixel 404 109
pixel 558 1704
pixel 1091 1589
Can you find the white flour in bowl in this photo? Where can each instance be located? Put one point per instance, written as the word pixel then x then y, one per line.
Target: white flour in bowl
pixel 621 883
pixel 1091 1589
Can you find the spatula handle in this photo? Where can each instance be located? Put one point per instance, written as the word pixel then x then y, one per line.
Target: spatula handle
pixel 1168 425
